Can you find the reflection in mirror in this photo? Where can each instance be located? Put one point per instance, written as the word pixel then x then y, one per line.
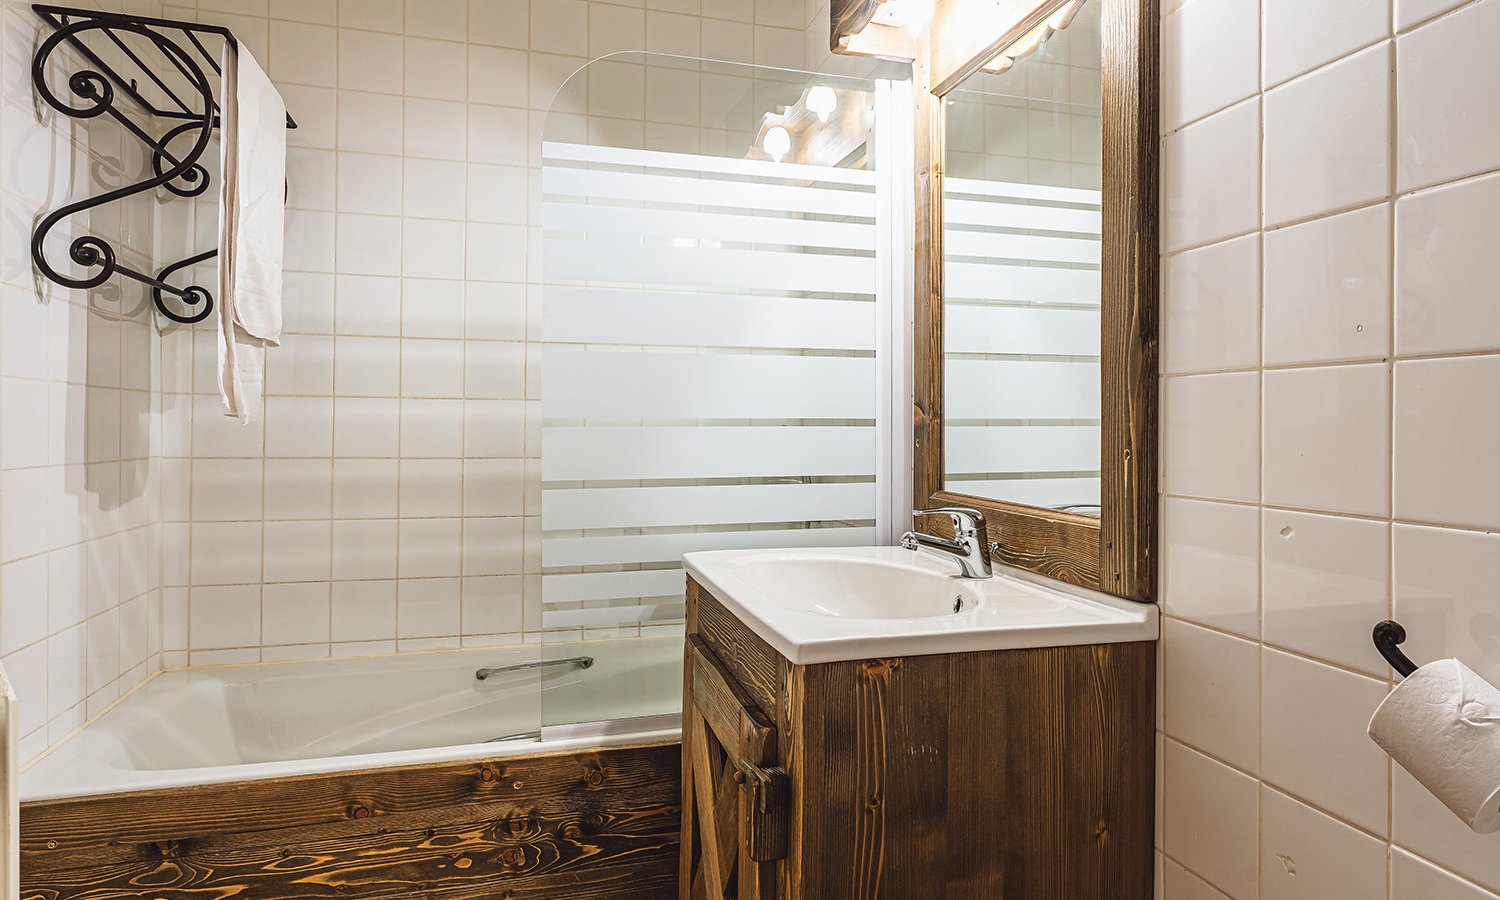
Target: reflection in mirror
pixel 1021 326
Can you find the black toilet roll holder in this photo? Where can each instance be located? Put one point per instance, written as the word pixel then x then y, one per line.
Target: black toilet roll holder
pixel 1387 636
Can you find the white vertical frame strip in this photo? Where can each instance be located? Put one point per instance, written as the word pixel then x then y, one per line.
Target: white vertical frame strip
pixel 10 784
pixel 895 173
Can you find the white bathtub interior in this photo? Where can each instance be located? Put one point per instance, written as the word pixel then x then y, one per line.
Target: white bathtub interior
pixel 276 719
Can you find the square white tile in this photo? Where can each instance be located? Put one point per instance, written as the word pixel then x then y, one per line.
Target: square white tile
pixel 1443 597
pixel 1211 178
pixel 1308 855
pixel 1313 740
pixel 1328 289
pixel 1328 138
pixel 1301 36
pixel 1210 58
pixel 1327 438
pixel 1212 690
pixel 1211 814
pixel 1423 825
pixel 1211 564
pixel 1445 464
pixel 1212 436
pixel 364 610
pixel 1446 269
pixel 1448 93
pixel 1211 317
pixel 1326 581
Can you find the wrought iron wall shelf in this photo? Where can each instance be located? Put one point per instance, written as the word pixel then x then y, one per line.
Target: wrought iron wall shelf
pixel 174 87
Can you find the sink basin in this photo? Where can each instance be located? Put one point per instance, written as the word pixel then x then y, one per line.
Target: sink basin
pixel 817 606
pixel 855 587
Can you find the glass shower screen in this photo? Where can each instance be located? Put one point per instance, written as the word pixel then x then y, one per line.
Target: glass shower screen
pixel 709 328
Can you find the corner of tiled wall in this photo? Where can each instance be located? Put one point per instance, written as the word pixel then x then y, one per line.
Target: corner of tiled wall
pixel 1330 342
pixel 80 531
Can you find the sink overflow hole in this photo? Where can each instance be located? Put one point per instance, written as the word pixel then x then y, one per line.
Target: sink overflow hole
pixel 958 603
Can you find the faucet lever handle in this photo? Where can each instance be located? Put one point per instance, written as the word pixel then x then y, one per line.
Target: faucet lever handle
pixel 966 519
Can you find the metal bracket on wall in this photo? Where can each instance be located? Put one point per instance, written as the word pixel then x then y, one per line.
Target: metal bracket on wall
pixel 174 87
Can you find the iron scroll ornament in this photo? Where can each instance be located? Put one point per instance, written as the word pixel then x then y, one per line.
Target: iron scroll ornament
pixel 180 175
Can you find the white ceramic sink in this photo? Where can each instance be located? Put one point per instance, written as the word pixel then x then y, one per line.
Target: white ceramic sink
pixel 851 603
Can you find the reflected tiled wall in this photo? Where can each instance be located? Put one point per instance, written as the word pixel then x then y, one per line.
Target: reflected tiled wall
pixel 390 501
pixel 1331 358
pixel 79 419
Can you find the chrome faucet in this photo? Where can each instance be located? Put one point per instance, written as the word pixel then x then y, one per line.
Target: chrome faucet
pixel 969 545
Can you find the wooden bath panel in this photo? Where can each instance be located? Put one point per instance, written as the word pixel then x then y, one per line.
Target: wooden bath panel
pixel 581 826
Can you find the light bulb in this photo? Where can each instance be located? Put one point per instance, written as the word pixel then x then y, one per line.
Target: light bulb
pixel 777 143
pixel 822 100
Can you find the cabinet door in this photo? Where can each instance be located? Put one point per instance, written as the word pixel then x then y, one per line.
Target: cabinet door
pixel 735 798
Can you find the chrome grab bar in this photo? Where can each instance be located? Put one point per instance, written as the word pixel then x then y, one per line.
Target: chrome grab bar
pixel 582 662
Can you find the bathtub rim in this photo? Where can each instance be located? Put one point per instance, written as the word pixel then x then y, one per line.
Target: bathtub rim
pixel 556 740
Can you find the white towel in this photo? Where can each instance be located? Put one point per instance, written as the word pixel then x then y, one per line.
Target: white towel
pixel 252 215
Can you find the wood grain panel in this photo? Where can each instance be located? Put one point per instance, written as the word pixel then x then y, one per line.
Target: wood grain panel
pixel 587 825
pixel 1014 774
pixel 750 660
pixel 1129 352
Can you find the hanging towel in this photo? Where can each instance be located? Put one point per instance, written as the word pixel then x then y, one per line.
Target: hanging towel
pixel 252 214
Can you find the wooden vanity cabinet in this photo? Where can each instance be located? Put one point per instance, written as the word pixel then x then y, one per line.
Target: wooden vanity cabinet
pixel 1000 774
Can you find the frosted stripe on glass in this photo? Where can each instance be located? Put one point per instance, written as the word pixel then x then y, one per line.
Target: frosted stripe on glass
pixel 708 192
pixel 1018 389
pixel 662 159
pixel 651 507
pixel 586 586
pixel 577 315
pixel 1021 448
pixel 995 214
pixel 614 616
pixel 712 256
pixel 1035 284
pixel 995 245
pixel 1017 191
pixel 595 219
pixel 616 263
pixel 633 453
pixel 644 548
pixel 665 386
pixel 1030 330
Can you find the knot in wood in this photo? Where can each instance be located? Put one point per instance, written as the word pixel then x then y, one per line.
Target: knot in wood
pixel 357 811
pixel 489 774
pixel 593 776
pixel 879 668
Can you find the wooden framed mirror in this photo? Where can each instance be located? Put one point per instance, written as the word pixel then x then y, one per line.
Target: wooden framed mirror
pixel 1036 286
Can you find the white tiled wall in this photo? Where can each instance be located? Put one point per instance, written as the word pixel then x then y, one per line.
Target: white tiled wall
pixel 1331 356
pixel 80 525
pixel 390 501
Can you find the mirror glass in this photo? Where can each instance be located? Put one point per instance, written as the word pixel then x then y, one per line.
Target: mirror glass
pixel 1021 328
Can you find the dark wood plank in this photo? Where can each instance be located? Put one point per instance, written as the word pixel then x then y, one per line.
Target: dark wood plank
pixel 746 732
pixel 591 825
pixel 750 660
pixel 1010 774
pixel 1128 353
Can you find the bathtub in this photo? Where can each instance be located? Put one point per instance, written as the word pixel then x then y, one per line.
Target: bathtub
pixel 238 723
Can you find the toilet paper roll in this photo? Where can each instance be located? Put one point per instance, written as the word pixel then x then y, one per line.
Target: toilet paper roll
pixel 1442 724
